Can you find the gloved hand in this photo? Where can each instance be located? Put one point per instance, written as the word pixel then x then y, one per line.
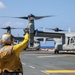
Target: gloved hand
pixel 26 30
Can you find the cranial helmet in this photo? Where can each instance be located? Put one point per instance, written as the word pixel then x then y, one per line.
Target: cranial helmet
pixel 7 38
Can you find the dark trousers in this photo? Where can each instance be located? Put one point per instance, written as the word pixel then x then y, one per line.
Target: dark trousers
pixel 11 73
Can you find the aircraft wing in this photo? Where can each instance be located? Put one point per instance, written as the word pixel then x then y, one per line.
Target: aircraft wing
pixel 47 39
pixel 49 34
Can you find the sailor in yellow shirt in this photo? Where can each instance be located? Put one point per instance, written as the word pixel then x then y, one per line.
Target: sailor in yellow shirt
pixel 10 63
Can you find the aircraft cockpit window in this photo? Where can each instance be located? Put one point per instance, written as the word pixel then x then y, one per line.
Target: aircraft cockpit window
pixel 68 40
pixel 72 40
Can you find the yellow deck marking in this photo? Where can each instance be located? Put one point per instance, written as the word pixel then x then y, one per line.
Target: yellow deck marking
pixel 59 71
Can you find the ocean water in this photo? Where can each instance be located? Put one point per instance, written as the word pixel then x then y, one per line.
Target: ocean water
pixel 47 46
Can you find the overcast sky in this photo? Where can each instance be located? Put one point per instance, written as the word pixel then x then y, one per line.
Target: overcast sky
pixel 64 11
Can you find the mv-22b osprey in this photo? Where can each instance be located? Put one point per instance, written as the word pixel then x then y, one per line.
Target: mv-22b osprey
pixel 63 41
pixel 33 44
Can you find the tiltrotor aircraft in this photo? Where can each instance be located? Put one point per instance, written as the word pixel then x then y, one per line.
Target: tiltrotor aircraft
pixel 32 30
pixel 66 41
pixel 18 39
pixel 63 40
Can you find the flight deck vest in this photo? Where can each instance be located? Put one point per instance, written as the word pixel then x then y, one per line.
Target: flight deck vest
pixel 9 61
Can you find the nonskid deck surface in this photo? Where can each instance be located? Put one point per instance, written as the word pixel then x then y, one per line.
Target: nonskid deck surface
pixel 47 63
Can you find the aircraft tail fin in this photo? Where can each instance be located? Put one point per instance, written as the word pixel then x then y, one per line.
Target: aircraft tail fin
pixel 69 29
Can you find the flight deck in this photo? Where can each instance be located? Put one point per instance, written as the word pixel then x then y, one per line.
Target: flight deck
pixel 47 63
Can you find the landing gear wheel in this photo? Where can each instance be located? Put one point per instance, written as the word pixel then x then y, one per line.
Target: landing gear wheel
pixel 56 52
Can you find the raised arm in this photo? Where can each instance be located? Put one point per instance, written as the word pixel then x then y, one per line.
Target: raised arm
pixel 20 47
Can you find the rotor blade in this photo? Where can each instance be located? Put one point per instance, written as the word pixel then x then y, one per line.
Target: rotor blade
pixel 21 17
pixel 40 17
pixel 14 17
pixel 29 16
pixel 46 28
pixel 3 28
pixel 55 29
pixel 49 28
pixel 11 28
pixel 17 28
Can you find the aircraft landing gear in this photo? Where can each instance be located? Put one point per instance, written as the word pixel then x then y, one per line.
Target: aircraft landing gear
pixel 56 51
